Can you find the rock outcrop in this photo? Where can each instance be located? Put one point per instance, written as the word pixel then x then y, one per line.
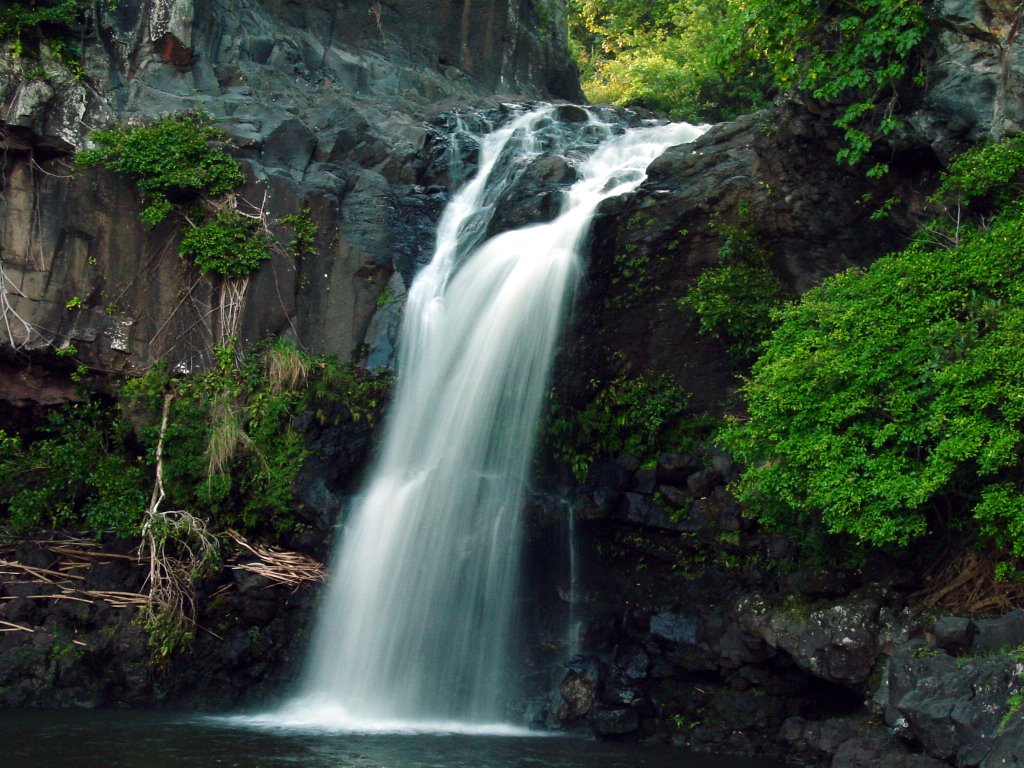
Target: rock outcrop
pixel 331 107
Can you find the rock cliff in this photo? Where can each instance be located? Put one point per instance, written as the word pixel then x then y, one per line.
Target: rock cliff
pixel 331 106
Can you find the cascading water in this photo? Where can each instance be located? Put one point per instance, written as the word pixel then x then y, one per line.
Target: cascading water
pixel 416 630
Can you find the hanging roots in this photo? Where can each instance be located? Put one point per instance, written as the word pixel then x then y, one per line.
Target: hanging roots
pixel 180 548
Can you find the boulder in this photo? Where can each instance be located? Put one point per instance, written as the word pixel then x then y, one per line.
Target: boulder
pixel 675 468
pixel 836 642
pixel 614 722
pixel 954 635
pixel 994 635
pixel 578 688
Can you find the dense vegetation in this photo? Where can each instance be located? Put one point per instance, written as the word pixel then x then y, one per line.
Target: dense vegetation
pixel 689 59
pixel 231 448
pixel 709 60
pixel 889 404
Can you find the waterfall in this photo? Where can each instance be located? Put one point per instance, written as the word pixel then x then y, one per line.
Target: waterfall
pixel 416 631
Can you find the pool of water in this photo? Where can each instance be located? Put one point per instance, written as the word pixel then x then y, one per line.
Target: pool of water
pixel 117 739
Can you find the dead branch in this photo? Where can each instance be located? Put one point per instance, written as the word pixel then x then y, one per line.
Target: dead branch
pixel 292 569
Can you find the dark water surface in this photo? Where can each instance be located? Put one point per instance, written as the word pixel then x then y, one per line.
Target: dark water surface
pixel 115 739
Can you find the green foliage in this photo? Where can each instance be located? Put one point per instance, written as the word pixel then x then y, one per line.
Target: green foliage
pixel 79 472
pixel 737 300
pixel 232 449
pixel 640 416
pixel 1014 706
pixel 713 59
pixel 891 395
pixel 303 242
pixel 174 160
pixel 167 636
pixel 988 169
pixel 230 244
pixel 850 53
pixel 689 59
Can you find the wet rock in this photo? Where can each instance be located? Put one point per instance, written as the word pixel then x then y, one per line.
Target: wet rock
pixel 834 642
pixel 644 511
pixel 614 722
pixel 676 497
pixel 570 113
pixel 533 196
pixel 633 662
pixel 954 635
pixel 716 512
pixel 644 481
pixel 953 708
pixel 1008 749
pixel 609 474
pixel 999 634
pixel 703 482
pixel 629 463
pixel 676 627
pixel 675 468
pixel 578 688
pixel 818 582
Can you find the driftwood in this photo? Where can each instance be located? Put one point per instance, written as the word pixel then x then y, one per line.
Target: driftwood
pixel 62 580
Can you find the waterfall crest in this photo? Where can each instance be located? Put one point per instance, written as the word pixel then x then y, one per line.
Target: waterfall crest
pixel 416 631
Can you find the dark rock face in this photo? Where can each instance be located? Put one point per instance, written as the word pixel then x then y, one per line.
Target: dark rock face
pixel 330 106
pixel 955 709
pixel 87 646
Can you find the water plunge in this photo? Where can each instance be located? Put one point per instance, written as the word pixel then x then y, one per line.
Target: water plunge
pixel 417 629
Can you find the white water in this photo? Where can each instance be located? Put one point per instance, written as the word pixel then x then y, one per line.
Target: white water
pixel 416 632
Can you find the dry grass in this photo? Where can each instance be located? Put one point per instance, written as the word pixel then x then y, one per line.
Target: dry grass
pixel 292 569
pixel 226 437
pixel 287 368
pixel 62 579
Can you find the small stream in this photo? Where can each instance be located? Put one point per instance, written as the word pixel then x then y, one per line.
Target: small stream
pixel 128 739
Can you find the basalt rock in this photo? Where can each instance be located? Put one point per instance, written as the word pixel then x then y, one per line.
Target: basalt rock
pixel 331 107
pixel 955 709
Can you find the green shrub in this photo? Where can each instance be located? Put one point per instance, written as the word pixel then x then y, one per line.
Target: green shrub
pixel 888 394
pixel 305 230
pixel 232 450
pixel 230 244
pixel 686 58
pixel 175 160
pixel 80 472
pixel 736 301
pixel 25 24
pixel 713 59
pixel 854 54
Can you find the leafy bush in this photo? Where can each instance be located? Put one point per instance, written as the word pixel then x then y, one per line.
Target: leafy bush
pixel 736 301
pixel 80 472
pixel 713 59
pixel 230 244
pixel 854 54
pixel 889 394
pixel 232 449
pixel 174 160
pixel 305 230
pixel 24 24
